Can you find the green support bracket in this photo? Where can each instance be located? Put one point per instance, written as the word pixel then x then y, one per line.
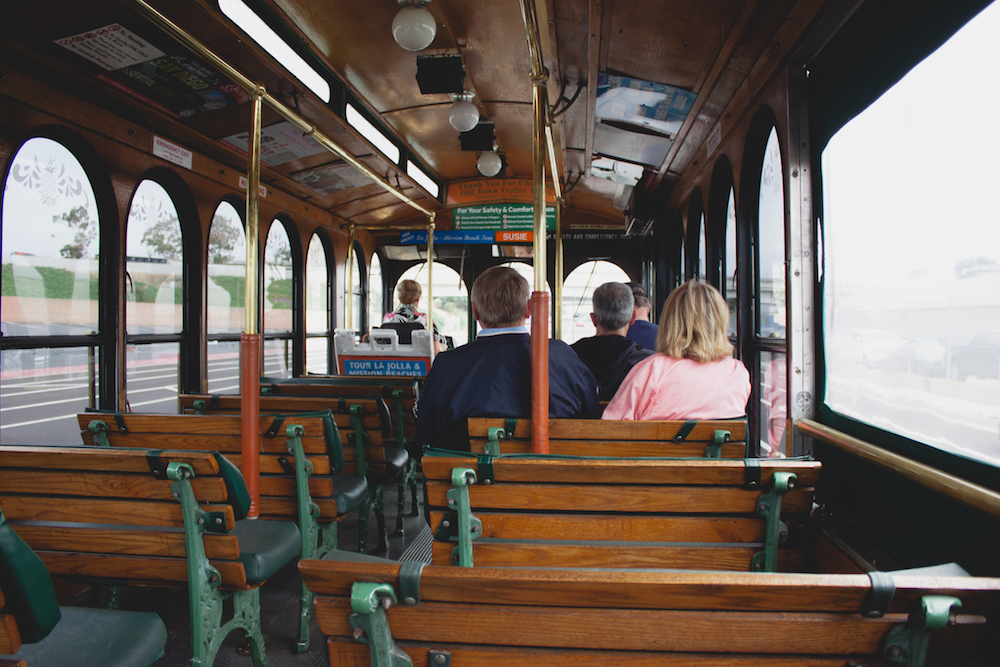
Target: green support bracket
pixel 200 406
pixel 376 497
pixel 410 473
pixel 204 599
pixel 906 644
pixel 308 524
pixel 370 625
pixel 469 526
pixel 714 451
pixel 493 438
pixel 100 431
pixel 775 531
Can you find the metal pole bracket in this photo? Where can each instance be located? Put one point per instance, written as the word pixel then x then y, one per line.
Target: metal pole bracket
pixel 906 644
pixel 370 625
pixel 714 451
pixel 493 437
pixel 469 526
pixel 775 531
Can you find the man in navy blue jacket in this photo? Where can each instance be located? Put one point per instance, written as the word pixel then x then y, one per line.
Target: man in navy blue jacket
pixel 491 376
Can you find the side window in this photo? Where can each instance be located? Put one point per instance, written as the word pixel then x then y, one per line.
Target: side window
pixel 317 308
pixel 226 296
pixel 451 299
pixel 277 298
pixel 729 263
pixel 578 292
pixel 154 295
pixel 376 305
pixel 357 295
pixel 50 234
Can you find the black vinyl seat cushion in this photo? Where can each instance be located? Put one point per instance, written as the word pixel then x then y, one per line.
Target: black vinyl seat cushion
pixel 396 459
pixel 266 547
pixel 99 638
pixel 348 492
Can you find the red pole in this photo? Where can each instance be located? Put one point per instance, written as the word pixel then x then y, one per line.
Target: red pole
pixel 540 372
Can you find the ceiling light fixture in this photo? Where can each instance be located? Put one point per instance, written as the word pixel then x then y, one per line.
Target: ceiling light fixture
pixel 489 164
pixel 463 115
pixel 414 27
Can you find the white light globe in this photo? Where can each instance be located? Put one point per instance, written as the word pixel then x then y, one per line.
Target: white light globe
pixel 489 164
pixel 464 115
pixel 414 28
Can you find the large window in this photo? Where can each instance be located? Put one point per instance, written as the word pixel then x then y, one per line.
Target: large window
pixel 154 298
pixel 912 268
pixel 376 291
pixel 277 299
pixel 357 293
pixel 577 296
pixel 451 299
pixel 226 287
pixel 317 308
pixel 729 263
pixel 50 236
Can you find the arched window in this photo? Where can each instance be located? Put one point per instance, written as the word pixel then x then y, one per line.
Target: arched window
pixel 154 295
pixel 51 237
pixel 357 293
pixel 277 298
pixel 376 291
pixel 729 263
pixel 695 236
pixel 227 256
pixel 317 308
pixel 771 256
pixel 577 296
pixel 451 299
pixel 528 271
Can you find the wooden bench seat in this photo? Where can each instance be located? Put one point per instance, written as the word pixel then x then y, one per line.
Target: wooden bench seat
pixel 149 518
pixel 728 514
pixel 316 495
pixel 546 617
pixel 597 437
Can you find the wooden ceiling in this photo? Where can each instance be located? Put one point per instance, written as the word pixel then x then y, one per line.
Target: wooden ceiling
pixel 688 44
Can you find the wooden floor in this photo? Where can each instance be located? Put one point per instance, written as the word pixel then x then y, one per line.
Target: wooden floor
pixel 279 602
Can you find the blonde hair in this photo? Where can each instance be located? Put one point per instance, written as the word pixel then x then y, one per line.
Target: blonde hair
pixel 694 324
pixel 408 292
pixel 500 295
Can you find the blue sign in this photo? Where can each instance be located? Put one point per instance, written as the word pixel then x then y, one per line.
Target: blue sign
pixel 385 366
pixel 465 236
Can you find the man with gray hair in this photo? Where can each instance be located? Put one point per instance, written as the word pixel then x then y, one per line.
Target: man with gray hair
pixel 609 355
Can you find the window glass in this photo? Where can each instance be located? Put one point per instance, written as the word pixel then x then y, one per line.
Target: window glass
pixel 42 391
pixel 451 299
pixel 317 306
pixel 702 260
pixel 729 268
pixel 227 261
pixel 578 292
pixel 912 256
pixel 278 358
pixel 773 411
pixel 771 235
pixel 376 305
pixel 357 298
pixel 277 294
pixel 528 272
pixel 682 274
pixel 51 238
pixel 223 366
pixel 152 377
pixel 154 267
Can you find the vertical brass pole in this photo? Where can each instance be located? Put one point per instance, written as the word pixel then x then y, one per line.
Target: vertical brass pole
pixel 430 281
pixel 349 306
pixel 558 287
pixel 540 298
pixel 250 340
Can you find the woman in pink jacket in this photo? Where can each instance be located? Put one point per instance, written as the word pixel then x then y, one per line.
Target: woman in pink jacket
pixel 693 375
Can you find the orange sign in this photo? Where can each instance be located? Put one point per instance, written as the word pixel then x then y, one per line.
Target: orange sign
pixel 516 236
pixel 486 190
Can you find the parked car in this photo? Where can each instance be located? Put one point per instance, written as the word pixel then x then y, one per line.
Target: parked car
pixel 926 356
pixel 874 348
pixel 980 358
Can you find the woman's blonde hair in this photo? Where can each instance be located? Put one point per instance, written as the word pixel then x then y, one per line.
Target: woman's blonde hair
pixel 408 292
pixel 694 324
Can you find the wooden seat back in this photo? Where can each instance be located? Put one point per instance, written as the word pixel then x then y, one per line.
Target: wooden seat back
pixel 588 512
pixel 221 433
pixel 319 385
pixel 596 437
pixel 110 514
pixel 552 616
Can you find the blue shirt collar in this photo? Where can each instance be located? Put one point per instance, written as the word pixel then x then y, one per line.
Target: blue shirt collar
pixel 502 330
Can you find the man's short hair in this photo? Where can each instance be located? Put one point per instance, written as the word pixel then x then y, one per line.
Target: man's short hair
pixel 500 295
pixel 636 288
pixel 613 306
pixel 641 302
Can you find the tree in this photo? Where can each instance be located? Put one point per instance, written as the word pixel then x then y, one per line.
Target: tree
pixel 966 268
pixel 223 238
pixel 163 239
pixel 85 230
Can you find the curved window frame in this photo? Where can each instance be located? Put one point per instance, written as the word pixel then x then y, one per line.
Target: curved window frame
pixel 326 243
pixel 224 338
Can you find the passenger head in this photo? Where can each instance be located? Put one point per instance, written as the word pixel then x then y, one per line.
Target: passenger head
pixel 694 324
pixel 500 298
pixel 641 306
pixel 408 292
pixel 612 307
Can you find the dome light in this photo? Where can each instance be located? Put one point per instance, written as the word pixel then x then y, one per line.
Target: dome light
pixel 489 164
pixel 414 27
pixel 463 115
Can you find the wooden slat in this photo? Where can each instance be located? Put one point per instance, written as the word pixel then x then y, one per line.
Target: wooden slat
pixel 271 485
pixel 87 458
pixel 349 653
pixel 629 629
pixel 623 448
pixel 227 444
pixel 619 498
pixel 136 569
pixel 118 541
pixel 656 589
pixel 10 638
pixel 106 485
pixel 82 510
pixel 288 507
pixel 623 471
pixel 599 429
pixel 623 528
pixel 269 464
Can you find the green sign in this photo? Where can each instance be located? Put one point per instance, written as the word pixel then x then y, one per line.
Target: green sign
pixel 501 216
